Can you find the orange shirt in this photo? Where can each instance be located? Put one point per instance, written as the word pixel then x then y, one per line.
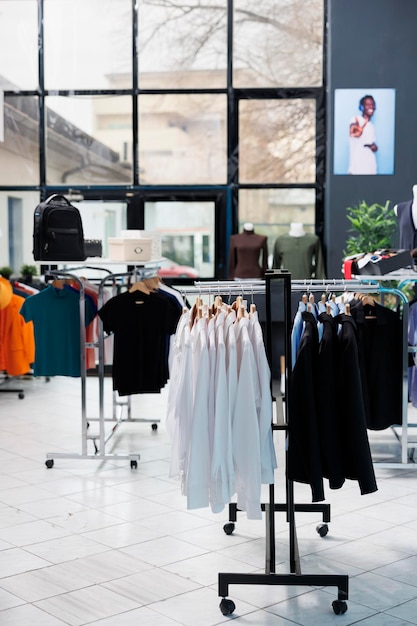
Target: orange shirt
pixel 17 340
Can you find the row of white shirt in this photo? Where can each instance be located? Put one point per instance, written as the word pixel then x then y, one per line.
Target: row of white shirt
pixel 220 412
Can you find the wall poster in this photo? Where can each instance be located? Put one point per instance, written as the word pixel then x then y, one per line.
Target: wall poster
pixel 364 131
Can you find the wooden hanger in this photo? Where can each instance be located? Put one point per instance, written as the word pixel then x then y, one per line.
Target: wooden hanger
pixel 59 283
pixel 140 286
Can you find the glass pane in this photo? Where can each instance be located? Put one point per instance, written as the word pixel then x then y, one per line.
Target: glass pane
pixel 278 44
pixel 89 140
pixel 187 236
pixel 18 44
pixel 19 153
pixel 277 141
pixel 182 46
pixel 88 45
pixel 16 228
pixel 182 139
pixel 271 211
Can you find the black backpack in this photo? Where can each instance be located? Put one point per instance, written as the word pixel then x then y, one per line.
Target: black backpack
pixel 57 231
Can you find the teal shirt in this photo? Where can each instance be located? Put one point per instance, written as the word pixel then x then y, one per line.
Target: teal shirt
pixel 55 314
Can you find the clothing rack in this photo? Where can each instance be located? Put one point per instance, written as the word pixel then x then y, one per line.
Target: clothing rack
pixel 100 439
pixel 369 284
pixel 363 284
pixel 295 577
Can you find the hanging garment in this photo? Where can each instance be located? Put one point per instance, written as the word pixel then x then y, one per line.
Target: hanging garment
pixel 141 324
pixel 380 358
pixel 412 341
pixel 180 401
pixel 222 477
pixel 220 412
pixel 356 454
pixel 328 402
pixel 304 458
pixel 245 428
pixel 56 319
pixel 264 404
pixel 17 342
pixel 198 468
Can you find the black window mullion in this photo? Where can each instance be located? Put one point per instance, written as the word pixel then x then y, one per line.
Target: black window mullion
pixel 41 100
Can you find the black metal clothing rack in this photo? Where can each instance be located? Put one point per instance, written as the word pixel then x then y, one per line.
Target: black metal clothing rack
pixel 295 577
pixel 270 577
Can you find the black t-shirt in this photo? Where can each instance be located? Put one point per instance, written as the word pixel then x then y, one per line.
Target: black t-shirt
pixel 141 325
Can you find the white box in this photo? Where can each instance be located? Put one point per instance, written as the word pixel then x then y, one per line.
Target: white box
pixel 129 249
pixel 156 251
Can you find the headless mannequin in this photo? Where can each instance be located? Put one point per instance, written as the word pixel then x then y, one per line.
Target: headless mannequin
pixel 299 252
pixel 406 213
pixel 248 255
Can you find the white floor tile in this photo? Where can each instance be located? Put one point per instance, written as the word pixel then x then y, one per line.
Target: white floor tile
pixel 163 551
pixel 372 590
pixel 151 586
pixel 29 614
pixel 83 606
pixel 65 549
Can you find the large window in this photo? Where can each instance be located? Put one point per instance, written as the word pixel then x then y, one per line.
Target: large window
pixel 277 141
pixel 127 101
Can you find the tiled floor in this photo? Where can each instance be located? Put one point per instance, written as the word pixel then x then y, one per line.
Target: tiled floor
pixel 91 542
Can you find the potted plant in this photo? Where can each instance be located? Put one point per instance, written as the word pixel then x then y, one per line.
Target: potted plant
pixel 28 272
pixel 6 271
pixel 373 227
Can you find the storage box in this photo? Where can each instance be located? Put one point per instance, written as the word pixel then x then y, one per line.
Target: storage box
pixel 380 262
pixel 130 249
pixel 156 248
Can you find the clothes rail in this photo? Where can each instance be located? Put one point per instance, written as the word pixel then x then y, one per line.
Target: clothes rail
pixel 227 606
pixel 100 453
pixel 135 274
pixel 270 577
pixel 371 285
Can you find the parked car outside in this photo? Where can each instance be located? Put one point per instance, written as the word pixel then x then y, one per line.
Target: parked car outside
pixel 171 269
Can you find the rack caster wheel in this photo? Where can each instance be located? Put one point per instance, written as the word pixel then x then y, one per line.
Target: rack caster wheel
pixel 133 464
pixel 229 528
pixel 339 607
pixel 322 529
pixel 21 396
pixel 49 463
pixel 227 606
pixel 154 426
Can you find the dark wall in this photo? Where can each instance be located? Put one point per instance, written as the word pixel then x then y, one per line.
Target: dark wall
pixel 372 44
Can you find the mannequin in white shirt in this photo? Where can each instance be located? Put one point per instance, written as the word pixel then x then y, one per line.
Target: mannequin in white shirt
pixel 297 229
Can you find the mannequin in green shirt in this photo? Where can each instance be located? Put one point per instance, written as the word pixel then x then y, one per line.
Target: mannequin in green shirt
pixel 300 253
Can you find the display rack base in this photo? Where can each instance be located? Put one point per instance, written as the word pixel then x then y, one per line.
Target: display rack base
pixel 5 381
pixel 133 458
pixel 341 581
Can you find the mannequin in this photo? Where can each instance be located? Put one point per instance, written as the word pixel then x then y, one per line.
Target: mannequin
pixel 297 229
pixel 300 253
pixel 406 213
pixel 248 255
